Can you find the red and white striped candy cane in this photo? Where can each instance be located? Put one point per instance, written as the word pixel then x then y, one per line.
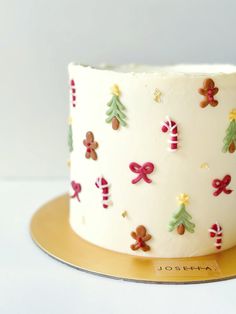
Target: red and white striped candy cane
pixel 171 127
pixel 216 232
pixel 103 185
pixel 73 92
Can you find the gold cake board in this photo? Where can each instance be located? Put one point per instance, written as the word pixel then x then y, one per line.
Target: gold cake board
pixel 51 231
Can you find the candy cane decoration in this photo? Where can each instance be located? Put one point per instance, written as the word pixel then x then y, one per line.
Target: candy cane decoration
pixel 216 232
pixel 73 93
pixel 171 127
pixel 103 185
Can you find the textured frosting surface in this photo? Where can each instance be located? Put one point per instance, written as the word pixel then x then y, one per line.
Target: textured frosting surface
pixel 200 140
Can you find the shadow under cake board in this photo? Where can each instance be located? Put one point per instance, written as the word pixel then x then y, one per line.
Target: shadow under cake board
pixel 51 231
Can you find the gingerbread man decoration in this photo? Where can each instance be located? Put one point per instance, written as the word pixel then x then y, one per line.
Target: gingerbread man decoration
pixel 141 236
pixel 91 145
pixel 208 91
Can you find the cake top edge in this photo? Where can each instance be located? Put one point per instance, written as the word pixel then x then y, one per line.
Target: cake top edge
pixel 163 70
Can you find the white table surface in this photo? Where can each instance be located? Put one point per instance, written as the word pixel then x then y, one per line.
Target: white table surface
pixel 31 282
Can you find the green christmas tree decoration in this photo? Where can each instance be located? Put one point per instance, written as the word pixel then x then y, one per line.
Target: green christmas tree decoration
pixel 230 138
pixel 115 112
pixel 181 219
pixel 70 138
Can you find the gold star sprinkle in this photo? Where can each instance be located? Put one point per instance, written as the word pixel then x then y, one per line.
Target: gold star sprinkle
pixel 70 120
pixel 124 214
pixel 183 199
pixel 204 165
pixel 157 95
pixel 68 163
pixel 115 90
pixel 232 115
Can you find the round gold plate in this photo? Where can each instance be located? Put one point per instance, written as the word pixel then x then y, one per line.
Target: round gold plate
pixel 51 231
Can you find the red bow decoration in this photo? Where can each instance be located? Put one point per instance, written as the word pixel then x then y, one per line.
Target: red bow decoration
pixel 221 185
pixel 77 189
pixel 143 170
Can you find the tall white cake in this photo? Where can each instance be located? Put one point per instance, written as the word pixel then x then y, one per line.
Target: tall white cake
pixel 153 161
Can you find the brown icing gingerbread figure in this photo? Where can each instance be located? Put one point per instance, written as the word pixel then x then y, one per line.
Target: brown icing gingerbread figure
pixel 141 236
pixel 91 145
pixel 208 91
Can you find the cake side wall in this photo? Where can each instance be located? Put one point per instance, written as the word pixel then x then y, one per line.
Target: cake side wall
pixel 201 133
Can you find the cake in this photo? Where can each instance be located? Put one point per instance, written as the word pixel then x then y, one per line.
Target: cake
pixel 153 158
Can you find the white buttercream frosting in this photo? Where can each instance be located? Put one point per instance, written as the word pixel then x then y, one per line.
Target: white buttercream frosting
pixel 200 140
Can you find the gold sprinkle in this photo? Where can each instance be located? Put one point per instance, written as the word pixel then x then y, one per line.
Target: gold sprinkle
pixel 124 214
pixel 204 165
pixel 68 163
pixel 70 120
pixel 157 95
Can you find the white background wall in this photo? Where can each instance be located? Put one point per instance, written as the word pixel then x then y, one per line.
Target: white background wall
pixel 38 38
